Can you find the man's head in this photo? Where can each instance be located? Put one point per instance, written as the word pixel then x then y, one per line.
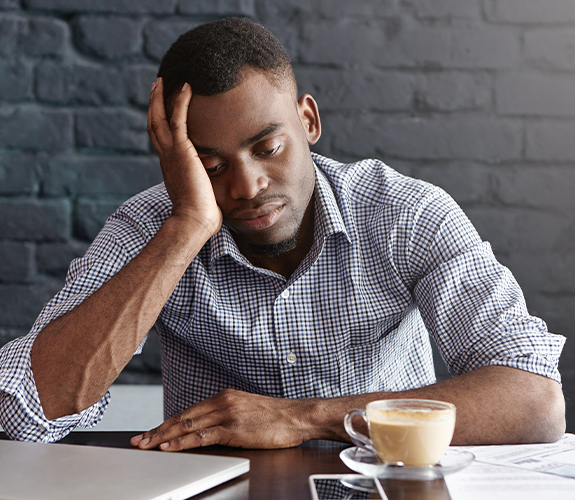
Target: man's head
pixel 212 56
pixel 251 132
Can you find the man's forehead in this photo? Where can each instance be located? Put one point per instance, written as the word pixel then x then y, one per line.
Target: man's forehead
pixel 244 114
pixel 252 85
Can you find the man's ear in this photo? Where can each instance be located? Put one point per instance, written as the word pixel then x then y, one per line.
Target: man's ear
pixel 309 116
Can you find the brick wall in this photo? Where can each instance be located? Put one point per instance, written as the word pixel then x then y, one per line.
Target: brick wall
pixel 475 96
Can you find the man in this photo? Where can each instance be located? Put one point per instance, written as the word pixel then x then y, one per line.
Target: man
pixel 286 288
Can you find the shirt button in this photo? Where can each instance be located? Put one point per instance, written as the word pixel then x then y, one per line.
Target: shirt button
pixel 285 294
pixel 291 358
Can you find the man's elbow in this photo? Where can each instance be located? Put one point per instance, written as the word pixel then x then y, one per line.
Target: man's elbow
pixel 548 410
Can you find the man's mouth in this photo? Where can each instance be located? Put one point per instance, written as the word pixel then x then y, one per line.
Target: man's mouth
pixel 259 218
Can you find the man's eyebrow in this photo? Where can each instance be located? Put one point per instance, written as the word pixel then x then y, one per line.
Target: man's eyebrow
pixel 201 150
pixel 272 127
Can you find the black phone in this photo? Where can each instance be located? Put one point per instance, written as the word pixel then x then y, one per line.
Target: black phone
pixel 344 486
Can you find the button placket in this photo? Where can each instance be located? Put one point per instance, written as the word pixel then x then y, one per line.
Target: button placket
pixel 291 357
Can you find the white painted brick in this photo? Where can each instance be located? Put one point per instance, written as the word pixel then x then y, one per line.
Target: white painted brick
pixel 333 9
pixel 431 138
pixel 550 140
pixel 19 173
pixel 453 90
pixel 553 272
pixel 439 9
pixel 483 46
pixel 336 89
pixel 16 261
pixel 534 93
pixel 227 7
pixel 404 43
pixel 520 230
pixel 466 181
pixel 114 6
pixel 109 37
pixel 340 8
pixel 550 49
pixel 539 186
pixel 160 34
pixel 530 11
pixel 559 314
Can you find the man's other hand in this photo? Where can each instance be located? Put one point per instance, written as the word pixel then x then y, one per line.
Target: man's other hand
pixel 233 418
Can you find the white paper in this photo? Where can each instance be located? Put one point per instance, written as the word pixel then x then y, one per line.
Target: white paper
pixel 553 458
pixel 482 481
pixel 525 472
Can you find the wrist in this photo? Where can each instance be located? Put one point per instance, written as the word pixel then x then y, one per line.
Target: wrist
pixel 190 227
pixel 323 419
pixel 183 238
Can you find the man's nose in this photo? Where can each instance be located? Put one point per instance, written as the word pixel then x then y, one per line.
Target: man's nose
pixel 248 179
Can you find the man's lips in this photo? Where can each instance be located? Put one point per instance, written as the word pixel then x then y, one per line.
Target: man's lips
pixel 258 218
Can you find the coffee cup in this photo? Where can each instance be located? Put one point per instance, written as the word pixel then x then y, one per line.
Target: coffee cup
pixel 409 432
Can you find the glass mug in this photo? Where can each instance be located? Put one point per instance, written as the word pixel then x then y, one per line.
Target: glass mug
pixel 409 432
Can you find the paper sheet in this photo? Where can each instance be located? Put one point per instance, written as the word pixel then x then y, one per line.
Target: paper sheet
pixel 554 458
pixel 512 472
pixel 482 481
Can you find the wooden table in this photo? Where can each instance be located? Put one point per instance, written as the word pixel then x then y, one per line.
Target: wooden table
pixel 275 474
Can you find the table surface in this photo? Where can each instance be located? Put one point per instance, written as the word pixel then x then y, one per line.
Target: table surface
pixel 275 474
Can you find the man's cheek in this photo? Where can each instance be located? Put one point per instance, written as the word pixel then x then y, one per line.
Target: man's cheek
pixel 221 199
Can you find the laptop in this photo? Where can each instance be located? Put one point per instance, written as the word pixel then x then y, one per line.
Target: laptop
pixel 62 471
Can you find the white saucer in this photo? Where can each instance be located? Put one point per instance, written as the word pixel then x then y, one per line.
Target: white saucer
pixel 366 463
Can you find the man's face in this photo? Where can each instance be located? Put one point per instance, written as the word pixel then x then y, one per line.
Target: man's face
pixel 254 143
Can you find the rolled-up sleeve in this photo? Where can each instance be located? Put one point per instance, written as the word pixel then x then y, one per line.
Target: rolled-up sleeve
pixel 474 308
pixel 21 413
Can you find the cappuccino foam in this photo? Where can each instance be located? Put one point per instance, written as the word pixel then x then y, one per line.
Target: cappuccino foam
pixel 412 437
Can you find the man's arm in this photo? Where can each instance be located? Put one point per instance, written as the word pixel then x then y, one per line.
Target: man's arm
pixel 495 405
pixel 76 357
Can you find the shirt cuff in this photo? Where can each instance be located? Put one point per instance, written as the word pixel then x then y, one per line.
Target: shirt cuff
pixel 534 352
pixel 21 413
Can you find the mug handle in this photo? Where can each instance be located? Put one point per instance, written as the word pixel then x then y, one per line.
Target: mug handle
pixel 357 437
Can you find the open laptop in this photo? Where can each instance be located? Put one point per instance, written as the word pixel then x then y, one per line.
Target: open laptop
pixel 61 471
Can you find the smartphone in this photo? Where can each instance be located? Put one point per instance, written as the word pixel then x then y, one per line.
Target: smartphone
pixel 344 486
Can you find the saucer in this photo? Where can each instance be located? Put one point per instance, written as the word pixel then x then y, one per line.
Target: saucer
pixel 366 463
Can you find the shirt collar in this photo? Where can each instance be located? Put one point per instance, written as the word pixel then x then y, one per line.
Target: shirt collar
pixel 328 216
pixel 328 222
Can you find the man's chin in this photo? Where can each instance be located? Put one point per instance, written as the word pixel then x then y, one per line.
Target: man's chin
pixel 274 249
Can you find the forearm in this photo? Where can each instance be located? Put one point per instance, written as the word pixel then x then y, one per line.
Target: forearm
pixel 495 405
pixel 76 357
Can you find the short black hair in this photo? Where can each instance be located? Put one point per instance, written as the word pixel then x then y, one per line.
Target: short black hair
pixel 211 57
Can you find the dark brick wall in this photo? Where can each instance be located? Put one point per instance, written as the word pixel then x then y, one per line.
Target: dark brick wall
pixel 475 95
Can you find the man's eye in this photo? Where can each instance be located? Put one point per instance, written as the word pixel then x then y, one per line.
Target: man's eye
pixel 268 152
pixel 213 170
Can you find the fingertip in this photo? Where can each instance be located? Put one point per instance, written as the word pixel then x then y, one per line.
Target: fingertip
pixel 136 440
pixel 164 446
pixel 186 87
pixel 144 442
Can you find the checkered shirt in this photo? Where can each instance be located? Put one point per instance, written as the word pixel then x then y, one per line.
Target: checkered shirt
pixel 393 260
